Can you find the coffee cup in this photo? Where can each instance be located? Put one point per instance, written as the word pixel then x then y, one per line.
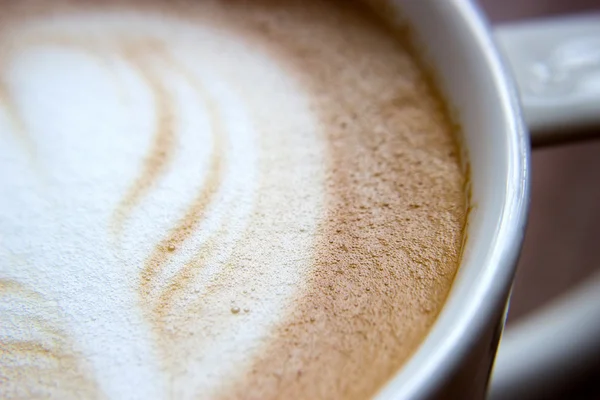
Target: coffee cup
pixel 200 236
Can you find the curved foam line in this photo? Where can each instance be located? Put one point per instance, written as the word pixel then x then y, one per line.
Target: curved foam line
pixel 163 145
pixel 195 212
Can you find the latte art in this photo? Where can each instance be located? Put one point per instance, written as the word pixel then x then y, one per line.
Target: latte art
pixel 217 200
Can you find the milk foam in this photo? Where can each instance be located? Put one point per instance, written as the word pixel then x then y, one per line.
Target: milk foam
pixel 85 94
pixel 217 199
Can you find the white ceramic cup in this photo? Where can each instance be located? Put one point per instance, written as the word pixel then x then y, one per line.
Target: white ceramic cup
pixel 556 64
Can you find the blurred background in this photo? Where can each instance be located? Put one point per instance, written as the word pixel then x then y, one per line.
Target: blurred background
pixel 562 244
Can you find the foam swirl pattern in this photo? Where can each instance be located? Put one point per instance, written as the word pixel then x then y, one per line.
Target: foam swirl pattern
pixel 217 200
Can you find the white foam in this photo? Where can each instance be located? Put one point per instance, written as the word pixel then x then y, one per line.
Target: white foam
pixel 91 117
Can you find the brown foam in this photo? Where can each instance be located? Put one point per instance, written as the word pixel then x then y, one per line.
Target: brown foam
pixel 396 207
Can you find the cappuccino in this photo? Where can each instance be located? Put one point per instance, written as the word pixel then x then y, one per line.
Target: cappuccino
pixel 217 199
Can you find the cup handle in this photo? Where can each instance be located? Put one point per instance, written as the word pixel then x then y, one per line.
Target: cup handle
pixel 556 63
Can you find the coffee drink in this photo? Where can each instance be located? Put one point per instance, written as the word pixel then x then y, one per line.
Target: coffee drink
pixel 217 199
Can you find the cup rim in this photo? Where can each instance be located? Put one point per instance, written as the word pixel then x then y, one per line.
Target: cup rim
pixel 441 353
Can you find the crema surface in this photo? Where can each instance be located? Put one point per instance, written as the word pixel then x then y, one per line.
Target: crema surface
pixel 217 199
